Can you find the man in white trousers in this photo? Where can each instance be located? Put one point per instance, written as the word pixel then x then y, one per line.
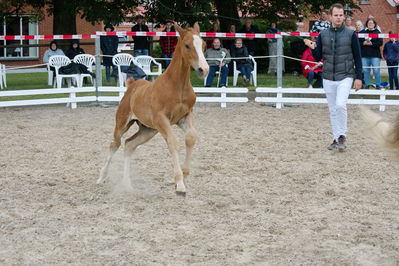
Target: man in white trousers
pixel 339 47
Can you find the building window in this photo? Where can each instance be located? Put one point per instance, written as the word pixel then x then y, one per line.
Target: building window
pixel 18 25
pixel 364 2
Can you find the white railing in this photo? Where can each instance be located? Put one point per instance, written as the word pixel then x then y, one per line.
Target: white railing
pixel 209 95
pixel 72 99
pixel 290 95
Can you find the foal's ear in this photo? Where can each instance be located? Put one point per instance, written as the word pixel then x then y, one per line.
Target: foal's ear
pixel 178 29
pixel 196 27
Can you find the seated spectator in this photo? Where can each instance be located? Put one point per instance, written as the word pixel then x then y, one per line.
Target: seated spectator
pixel 312 70
pixel 220 58
pixel 391 55
pixel 244 65
pixel 52 50
pixel 74 50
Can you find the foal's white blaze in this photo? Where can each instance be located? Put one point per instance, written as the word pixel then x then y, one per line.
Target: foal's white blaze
pixel 201 58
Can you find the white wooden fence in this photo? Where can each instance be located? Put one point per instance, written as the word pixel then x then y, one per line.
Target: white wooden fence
pixel 215 95
pixel 72 98
pixel 297 95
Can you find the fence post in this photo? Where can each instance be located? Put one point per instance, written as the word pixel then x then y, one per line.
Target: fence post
pixel 279 68
pixel 279 61
pixel 382 100
pixel 99 79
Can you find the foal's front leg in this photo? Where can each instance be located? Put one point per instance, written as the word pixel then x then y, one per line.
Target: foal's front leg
pixel 186 124
pixel 164 127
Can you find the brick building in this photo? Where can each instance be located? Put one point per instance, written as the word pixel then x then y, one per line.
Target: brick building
pixel 385 12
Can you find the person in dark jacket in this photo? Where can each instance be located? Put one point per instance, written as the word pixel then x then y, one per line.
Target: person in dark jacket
pixel 243 65
pixel 339 48
pixel 371 53
pixel 391 55
pixel 109 47
pixel 74 50
pixel 141 43
pixel 273 49
pixel 250 43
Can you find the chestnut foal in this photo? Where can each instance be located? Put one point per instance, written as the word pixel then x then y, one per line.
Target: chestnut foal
pixel 156 106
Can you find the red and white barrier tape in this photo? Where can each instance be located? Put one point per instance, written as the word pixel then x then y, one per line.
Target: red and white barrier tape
pixel 47 37
pixel 203 34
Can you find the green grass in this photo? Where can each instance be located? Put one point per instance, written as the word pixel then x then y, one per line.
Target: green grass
pixel 33 81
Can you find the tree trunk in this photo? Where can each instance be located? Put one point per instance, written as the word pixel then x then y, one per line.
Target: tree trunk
pixel 227 13
pixel 64 20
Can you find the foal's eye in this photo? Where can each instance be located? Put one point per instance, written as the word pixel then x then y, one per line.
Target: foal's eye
pixel 187 47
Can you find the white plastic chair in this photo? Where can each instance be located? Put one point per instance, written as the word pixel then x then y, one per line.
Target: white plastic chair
pixel 87 60
pixel 236 72
pixel 58 61
pixel 119 60
pixel 3 78
pixel 145 62
pixel 50 76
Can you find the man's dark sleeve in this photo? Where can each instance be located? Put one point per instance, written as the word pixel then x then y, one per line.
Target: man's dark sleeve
pixel 357 56
pixel 318 51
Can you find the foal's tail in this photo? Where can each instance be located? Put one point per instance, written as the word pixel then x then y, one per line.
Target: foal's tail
pixel 384 132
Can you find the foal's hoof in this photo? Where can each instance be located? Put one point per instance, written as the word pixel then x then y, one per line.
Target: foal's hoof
pixel 181 193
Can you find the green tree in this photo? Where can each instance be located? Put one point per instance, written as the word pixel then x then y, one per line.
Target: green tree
pixel 188 11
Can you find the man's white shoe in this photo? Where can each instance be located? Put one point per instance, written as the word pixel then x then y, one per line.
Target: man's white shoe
pixel 310 86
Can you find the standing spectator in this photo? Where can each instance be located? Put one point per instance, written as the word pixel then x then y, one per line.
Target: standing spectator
pixel 312 70
pixel 250 43
pixel 391 55
pixel 74 50
pixel 229 42
pixel 359 26
pixel 215 28
pixel 52 50
pixel 216 64
pixel 371 54
pixel 372 17
pixel 339 48
pixel 273 50
pixel 168 43
pixel 141 43
pixel 348 23
pixel 243 65
pixel 109 47
pixel 322 23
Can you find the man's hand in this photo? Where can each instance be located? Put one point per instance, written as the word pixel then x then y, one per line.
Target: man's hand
pixel 310 44
pixel 357 84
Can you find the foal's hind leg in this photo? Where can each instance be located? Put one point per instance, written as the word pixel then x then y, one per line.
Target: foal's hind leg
pixel 186 124
pixel 142 136
pixel 119 130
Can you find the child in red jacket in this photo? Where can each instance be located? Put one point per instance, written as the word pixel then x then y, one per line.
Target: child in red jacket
pixel 312 70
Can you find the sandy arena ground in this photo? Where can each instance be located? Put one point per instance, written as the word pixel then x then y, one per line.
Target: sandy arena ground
pixel 263 190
